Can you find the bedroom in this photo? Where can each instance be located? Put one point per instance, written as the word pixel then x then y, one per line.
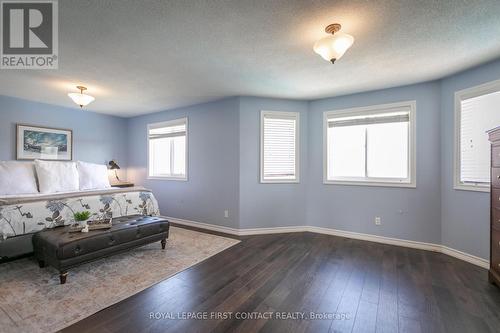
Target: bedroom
pixel 284 213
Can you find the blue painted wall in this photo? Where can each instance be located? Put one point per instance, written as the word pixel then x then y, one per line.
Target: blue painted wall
pixel 406 213
pixel 224 162
pixel 433 212
pixel 213 163
pixel 269 205
pixel 465 215
pixel 97 138
pixel 223 168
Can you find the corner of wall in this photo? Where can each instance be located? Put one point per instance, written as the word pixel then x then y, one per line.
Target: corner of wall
pixel 238 111
pixel 442 162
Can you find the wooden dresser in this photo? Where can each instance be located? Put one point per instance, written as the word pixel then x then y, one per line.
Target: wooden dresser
pixel 494 274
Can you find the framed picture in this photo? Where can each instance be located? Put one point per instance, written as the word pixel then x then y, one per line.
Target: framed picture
pixel 35 142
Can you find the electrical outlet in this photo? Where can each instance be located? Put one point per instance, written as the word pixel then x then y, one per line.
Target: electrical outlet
pixel 226 213
pixel 378 220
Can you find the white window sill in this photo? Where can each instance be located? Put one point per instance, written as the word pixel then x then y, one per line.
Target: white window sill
pixel 284 181
pixel 369 183
pixel 182 179
pixel 474 188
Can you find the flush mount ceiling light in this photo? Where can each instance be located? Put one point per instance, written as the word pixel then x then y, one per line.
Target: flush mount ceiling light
pixel 333 47
pixel 81 98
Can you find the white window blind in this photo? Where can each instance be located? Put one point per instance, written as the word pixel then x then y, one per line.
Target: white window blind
pixel 477 115
pixel 279 146
pixel 372 145
pixel 168 149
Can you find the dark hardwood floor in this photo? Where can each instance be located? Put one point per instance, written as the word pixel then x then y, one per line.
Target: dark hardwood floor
pixel 370 287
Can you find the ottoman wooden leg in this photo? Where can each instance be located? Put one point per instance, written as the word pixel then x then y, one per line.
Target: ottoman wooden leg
pixel 62 277
pixel 163 243
pixel 41 263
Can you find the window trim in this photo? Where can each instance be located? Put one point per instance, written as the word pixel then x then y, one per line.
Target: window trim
pixel 296 115
pixel 375 109
pixel 471 92
pixel 166 124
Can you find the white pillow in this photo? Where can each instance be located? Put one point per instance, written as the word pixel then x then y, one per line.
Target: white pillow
pixel 17 178
pixel 55 176
pixel 92 176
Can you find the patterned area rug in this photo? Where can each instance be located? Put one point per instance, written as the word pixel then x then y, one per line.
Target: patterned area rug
pixel 32 300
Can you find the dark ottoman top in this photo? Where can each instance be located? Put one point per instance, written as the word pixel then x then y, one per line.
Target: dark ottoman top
pixel 61 244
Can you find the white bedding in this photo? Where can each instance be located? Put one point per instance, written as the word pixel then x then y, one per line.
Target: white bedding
pixel 17 178
pixel 56 176
pixel 92 176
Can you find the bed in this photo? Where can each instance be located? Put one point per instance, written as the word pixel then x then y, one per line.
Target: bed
pixel 45 194
pixel 22 215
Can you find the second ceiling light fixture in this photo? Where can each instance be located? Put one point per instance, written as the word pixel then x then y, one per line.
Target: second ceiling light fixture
pixel 332 48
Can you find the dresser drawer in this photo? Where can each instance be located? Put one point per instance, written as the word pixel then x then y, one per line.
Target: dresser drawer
pixel 495 198
pixel 495 156
pixel 495 250
pixel 495 218
pixel 495 177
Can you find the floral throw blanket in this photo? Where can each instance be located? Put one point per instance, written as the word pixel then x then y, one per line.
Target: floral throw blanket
pixel 22 217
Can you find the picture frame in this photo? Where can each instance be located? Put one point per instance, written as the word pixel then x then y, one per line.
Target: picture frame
pixel 43 143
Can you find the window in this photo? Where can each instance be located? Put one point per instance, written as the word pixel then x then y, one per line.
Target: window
pixel 476 111
pixel 279 137
pixel 168 150
pixel 371 145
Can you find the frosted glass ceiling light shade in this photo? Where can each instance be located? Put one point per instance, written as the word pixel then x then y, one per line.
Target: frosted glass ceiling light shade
pixel 81 98
pixel 332 48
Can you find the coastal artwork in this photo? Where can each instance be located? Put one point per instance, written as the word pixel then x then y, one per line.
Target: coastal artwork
pixel 44 143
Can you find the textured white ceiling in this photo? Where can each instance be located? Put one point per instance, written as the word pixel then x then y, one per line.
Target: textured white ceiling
pixel 138 57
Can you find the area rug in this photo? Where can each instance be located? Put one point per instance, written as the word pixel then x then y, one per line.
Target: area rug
pixel 32 300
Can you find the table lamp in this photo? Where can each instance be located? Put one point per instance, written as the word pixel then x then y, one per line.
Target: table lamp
pixel 113 166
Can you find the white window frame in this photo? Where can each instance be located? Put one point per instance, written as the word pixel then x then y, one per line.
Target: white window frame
pixel 295 115
pixel 411 181
pixel 476 91
pixel 166 124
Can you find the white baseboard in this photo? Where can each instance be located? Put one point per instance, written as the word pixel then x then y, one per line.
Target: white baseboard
pixel 377 239
pixel 237 232
pixel 465 257
pixel 340 233
pixel 275 230
pixel 212 227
